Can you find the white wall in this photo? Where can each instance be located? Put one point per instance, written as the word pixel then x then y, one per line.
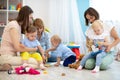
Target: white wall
pixel 40 8
pixel 108 9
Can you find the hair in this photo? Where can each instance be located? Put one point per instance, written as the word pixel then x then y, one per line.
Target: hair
pixel 23 17
pixel 31 29
pixel 56 38
pixel 38 23
pixel 96 23
pixel 92 12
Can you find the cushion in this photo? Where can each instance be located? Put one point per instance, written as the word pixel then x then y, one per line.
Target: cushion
pixel 107 60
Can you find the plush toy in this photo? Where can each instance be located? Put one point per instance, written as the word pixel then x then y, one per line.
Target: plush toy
pixel 24 70
pixel 77 63
pixel 89 44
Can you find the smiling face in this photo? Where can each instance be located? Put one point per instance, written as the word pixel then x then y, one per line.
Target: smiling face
pixel 40 30
pixel 90 18
pixel 54 42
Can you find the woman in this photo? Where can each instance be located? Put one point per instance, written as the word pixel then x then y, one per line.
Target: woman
pixel 90 16
pixel 11 37
pixel 43 38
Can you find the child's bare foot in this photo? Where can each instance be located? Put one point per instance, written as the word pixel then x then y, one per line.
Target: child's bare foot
pixel 42 67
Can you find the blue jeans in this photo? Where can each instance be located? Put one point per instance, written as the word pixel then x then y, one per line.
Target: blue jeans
pixel 97 56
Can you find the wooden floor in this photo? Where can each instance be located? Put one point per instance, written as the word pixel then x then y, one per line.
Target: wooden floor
pixel 54 73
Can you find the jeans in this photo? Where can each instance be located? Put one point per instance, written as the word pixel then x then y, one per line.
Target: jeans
pixel 98 58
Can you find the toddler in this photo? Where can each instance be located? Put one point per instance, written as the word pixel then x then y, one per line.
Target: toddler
pixel 100 41
pixel 31 42
pixel 62 51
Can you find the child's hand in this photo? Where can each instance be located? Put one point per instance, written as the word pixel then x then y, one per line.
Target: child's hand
pixel 44 59
pixel 46 51
pixel 100 43
pixel 57 64
pixel 36 48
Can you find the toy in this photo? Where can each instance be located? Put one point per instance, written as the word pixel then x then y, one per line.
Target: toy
pixel 18 7
pixel 47 65
pixel 24 70
pixel 89 44
pixel 45 72
pixel 77 63
pixel 63 74
pixel 94 48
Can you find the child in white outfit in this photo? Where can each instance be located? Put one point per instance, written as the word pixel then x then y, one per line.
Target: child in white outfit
pixel 100 41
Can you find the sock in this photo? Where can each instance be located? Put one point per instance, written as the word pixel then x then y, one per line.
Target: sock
pixel 80 67
pixel 96 69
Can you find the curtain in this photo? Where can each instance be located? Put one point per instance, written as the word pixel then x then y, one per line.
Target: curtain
pixel 64 21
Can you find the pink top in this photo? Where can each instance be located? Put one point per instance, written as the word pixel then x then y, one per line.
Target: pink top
pixel 7 43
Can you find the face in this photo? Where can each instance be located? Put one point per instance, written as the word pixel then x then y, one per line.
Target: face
pixel 90 18
pixel 32 36
pixel 31 18
pixel 54 43
pixel 98 30
pixel 39 30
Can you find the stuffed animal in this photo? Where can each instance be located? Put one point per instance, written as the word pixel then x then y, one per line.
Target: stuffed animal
pixel 24 70
pixel 77 63
pixel 89 44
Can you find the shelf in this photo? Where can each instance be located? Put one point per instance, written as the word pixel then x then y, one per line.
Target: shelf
pixel 2 10
pixel 8 10
pixel 13 10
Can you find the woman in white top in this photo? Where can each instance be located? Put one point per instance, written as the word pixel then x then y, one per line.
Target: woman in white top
pixel 90 16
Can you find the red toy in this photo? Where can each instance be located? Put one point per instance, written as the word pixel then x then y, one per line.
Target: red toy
pixel 24 70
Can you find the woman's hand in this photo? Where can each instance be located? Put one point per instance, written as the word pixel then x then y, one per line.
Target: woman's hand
pixel 108 48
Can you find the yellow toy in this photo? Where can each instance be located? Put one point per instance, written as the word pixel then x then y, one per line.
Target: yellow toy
pixel 45 72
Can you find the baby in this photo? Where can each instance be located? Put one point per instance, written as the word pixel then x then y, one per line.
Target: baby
pixel 100 41
pixel 31 42
pixel 62 51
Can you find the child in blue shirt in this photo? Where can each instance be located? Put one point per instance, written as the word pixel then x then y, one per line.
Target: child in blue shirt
pixel 31 42
pixel 62 51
